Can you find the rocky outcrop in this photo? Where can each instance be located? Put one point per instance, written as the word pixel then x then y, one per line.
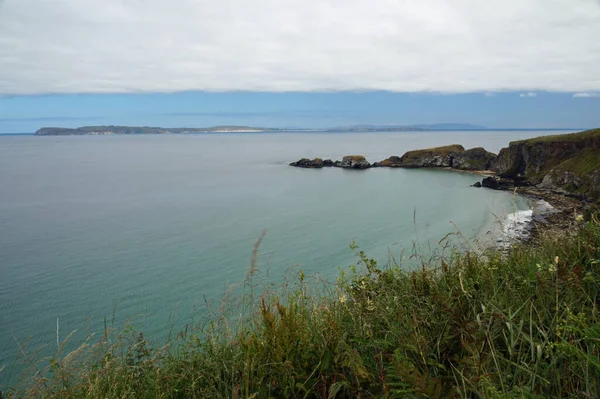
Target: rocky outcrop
pixel 568 163
pixel 348 162
pixel 353 162
pixel 534 158
pixel 391 162
pixel 451 156
pixel 437 157
pixel 309 163
pixel 474 159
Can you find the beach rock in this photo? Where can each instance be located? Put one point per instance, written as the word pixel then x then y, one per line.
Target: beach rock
pixel 353 162
pixel 308 163
pixel 328 163
pixel 477 184
pixel 497 183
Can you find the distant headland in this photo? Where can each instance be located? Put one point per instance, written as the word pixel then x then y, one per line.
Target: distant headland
pixel 105 130
pixel 111 129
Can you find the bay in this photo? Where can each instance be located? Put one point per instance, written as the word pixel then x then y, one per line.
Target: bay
pixel 153 225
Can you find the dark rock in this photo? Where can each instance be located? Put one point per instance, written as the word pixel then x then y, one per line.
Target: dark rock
pixel 474 159
pixel 450 156
pixel 328 163
pixel 497 183
pixel 391 162
pixel 477 184
pixel 308 163
pixel 354 162
pixel 534 158
pixel 437 157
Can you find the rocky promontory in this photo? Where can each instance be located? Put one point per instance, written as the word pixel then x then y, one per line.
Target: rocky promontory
pixel 566 164
pixel 451 156
pixel 348 162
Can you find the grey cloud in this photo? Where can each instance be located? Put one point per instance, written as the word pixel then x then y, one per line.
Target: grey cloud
pixel 116 46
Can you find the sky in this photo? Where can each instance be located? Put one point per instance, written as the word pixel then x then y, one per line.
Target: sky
pixel 299 63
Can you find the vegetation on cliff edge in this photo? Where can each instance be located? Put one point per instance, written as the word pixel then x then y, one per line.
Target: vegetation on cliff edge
pixel 516 323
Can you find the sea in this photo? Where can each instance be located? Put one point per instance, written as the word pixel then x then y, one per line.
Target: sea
pixel 146 229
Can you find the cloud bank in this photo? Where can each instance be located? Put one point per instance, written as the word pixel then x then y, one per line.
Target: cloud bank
pixel 119 46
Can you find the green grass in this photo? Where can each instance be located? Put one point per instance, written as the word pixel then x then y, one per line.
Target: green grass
pixel 585 163
pixel 444 150
pixel 355 158
pixel 586 134
pixel 504 324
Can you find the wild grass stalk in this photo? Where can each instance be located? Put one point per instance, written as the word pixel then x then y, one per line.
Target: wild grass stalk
pixel 521 322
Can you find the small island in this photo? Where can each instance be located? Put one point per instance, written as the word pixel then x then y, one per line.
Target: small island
pixel 109 130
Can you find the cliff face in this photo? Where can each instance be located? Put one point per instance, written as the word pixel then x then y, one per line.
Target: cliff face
pixel 568 162
pixel 452 156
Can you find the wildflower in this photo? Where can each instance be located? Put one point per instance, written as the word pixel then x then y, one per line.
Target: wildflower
pixel 556 259
pixel 343 298
pixel 579 219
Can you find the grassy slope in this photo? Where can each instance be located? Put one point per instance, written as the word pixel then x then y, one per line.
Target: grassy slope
pixel 435 150
pixel 592 133
pixel 582 165
pixel 520 324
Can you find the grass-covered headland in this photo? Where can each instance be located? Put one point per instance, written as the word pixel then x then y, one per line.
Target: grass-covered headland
pixel 521 323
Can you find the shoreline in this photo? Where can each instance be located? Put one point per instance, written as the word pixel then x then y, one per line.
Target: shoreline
pixel 550 213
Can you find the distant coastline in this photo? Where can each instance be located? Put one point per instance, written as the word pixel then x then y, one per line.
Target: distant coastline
pixel 136 130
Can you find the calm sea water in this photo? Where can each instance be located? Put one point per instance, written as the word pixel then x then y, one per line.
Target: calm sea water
pixel 150 225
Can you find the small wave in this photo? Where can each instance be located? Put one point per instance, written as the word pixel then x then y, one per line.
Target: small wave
pixel 517 225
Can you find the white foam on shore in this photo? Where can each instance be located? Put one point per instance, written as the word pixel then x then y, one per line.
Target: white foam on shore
pixel 516 225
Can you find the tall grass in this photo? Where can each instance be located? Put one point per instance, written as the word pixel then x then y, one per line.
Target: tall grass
pixel 520 323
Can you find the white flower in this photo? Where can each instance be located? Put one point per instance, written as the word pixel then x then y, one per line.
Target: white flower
pixel 343 298
pixel 579 219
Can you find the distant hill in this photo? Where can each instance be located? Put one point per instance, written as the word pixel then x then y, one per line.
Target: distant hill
pixel 104 130
pixel 402 128
pixel 451 126
pixel 373 128
pixel 110 129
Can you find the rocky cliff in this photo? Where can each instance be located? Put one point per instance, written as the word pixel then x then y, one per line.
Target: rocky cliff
pixel 348 162
pixel 567 162
pixel 451 156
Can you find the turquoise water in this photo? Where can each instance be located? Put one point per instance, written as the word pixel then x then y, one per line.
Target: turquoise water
pixel 152 225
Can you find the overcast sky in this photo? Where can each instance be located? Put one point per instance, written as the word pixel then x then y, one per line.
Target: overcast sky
pixel 152 46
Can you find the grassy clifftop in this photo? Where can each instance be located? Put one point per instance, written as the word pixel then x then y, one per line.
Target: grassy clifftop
pixel 566 162
pixel 522 323
pixel 569 137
